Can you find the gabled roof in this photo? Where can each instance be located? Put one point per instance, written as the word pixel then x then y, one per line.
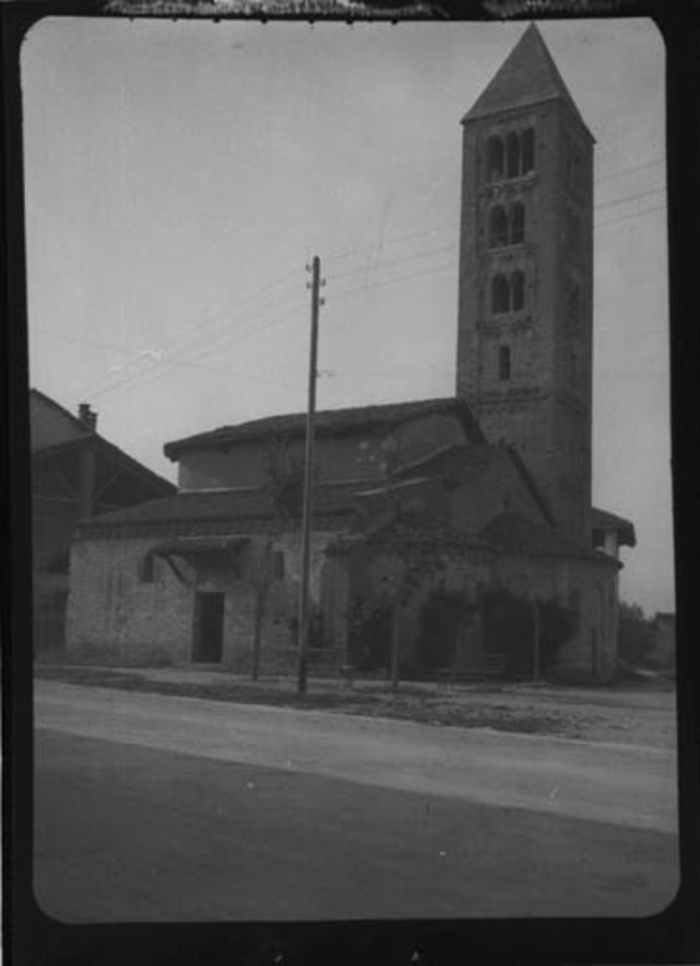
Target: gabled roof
pixel 54 430
pixel 517 536
pixel 450 457
pixel 601 521
pixel 51 424
pixel 226 506
pixel 397 533
pixel 527 76
pixel 473 459
pixel 328 422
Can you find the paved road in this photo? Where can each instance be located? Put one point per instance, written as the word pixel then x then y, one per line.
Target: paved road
pixel 125 832
pixel 158 808
pixel 634 787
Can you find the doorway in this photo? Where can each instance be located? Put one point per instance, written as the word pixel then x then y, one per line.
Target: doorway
pixel 208 627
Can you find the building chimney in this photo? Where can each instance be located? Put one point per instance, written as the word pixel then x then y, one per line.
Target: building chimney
pixel 87 417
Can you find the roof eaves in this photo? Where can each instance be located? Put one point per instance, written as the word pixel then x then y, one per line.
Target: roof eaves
pixel 337 422
pixel 109 450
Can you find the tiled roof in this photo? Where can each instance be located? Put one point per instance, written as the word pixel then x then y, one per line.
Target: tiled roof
pixel 516 535
pixel 527 76
pixel 602 520
pixel 402 534
pixel 329 422
pixel 508 534
pixel 446 459
pixel 215 505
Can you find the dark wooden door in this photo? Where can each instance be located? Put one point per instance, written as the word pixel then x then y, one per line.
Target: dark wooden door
pixel 208 627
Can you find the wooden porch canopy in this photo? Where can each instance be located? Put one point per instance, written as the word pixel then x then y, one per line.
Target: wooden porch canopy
pixel 202 550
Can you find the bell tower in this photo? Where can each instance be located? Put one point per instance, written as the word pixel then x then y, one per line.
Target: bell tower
pixel 525 338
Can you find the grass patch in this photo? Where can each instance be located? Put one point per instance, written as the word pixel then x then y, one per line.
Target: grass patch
pixel 423 705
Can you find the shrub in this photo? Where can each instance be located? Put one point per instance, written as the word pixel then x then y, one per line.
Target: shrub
pixel 370 634
pixel 441 617
pixel 635 634
pixel 509 630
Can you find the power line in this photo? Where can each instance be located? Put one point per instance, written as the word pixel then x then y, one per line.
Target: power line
pixel 634 197
pixel 633 167
pixel 385 243
pixel 392 281
pixel 397 261
pixel 196 328
pixel 104 346
pixel 151 377
pixel 629 217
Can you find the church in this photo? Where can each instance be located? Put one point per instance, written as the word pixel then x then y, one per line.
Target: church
pixel 460 527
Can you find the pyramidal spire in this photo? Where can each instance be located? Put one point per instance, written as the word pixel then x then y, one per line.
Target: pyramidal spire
pixel 527 76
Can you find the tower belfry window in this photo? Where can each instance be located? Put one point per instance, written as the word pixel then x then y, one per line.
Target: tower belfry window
pixel 494 152
pixel 513 155
pixel 498 227
pixel 500 294
pixel 517 223
pixel 504 363
pixel 517 291
pixel 528 150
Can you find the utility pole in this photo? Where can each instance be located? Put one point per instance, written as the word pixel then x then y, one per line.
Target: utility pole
pixel 316 302
pixel 536 640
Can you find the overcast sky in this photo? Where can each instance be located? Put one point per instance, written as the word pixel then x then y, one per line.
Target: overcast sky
pixel 180 175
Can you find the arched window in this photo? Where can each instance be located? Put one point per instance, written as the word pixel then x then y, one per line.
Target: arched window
pixel 513 155
pixel 528 150
pixel 517 223
pixel 494 164
pixel 517 291
pixel 504 362
pixel 500 294
pixel 498 227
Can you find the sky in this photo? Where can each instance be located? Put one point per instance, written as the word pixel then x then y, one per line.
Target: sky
pixel 181 175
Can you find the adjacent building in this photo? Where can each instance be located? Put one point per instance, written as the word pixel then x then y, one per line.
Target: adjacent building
pixel 75 473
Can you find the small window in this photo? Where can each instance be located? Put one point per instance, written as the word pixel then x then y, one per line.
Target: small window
pixel 147 569
pixel 517 291
pixel 498 227
pixel 504 363
pixel 500 294
pixel 528 150
pixel 513 155
pixel 278 565
pixel 494 151
pixel 517 223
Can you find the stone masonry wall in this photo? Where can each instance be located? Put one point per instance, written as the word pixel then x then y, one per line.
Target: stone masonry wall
pixel 113 613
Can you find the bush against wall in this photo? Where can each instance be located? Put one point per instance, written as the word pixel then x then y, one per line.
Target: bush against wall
pixel 635 634
pixel 442 617
pixel 370 630
pixel 509 628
